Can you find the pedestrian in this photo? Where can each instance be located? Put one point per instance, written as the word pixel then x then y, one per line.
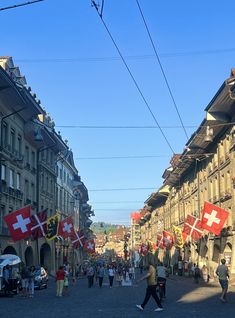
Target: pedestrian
pixel 180 267
pixel 132 272
pixel 60 275
pixel 6 279
pixel 161 276
pixel 25 276
pixel 111 276
pixel 119 276
pixel 197 274
pixel 66 283
pixel 31 281
pixel 100 274
pixel 192 269
pixel 151 287
pixel 90 276
pixel 223 273
pixel 205 273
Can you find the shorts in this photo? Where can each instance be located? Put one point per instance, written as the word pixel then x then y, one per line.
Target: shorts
pixel 223 283
pixel 24 282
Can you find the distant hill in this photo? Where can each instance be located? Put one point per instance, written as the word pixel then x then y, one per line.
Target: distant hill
pixel 102 227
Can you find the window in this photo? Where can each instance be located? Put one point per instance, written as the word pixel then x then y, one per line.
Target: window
pixel 51 158
pixel 51 186
pixel 26 189
pixel 32 191
pixel 19 140
pixel 27 154
pixel 5 135
pixel 3 172
pixel 13 142
pixel 11 178
pixel 33 159
pixel 18 181
pixel 47 183
pixel 2 214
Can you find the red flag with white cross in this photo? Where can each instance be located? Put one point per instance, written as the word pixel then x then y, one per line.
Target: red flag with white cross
pixel 89 246
pixel 78 239
pixel 213 218
pixel 19 223
pixel 66 228
pixel 168 240
pixel 160 241
pixel 193 227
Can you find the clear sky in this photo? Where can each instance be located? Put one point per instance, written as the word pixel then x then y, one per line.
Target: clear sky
pixel 69 60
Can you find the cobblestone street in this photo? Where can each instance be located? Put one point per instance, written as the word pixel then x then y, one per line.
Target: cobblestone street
pixel 183 298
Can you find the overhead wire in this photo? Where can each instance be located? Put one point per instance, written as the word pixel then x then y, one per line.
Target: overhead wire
pixel 127 57
pixel 20 5
pixel 121 189
pixel 132 76
pixel 139 127
pixel 115 202
pixel 161 67
pixel 121 157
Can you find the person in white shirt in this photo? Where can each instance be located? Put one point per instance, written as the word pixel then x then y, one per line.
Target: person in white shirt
pixel 111 276
pixel 161 276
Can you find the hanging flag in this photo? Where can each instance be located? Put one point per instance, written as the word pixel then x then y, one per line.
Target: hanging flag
pixel 160 225
pixel 78 239
pixel 144 249
pixel 185 236
pixel 136 216
pixel 39 224
pixel 160 241
pixel 89 246
pixel 213 218
pixel 18 223
pixel 66 228
pixel 153 246
pixel 52 227
pixel 178 237
pixel 168 240
pixel 193 227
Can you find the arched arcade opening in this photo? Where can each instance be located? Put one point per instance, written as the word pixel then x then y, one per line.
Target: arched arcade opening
pixel 45 256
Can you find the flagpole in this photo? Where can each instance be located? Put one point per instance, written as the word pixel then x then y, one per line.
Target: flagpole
pixel 37 200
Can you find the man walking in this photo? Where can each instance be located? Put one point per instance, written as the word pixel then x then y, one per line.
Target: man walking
pixel 223 274
pixel 151 288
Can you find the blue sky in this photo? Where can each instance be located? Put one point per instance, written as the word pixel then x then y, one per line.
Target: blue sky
pixel 71 64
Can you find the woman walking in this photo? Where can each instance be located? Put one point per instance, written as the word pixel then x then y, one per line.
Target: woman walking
pixel 60 275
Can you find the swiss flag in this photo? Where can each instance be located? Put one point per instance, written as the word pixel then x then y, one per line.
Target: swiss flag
pixel 168 240
pixel 213 218
pixel 78 239
pixel 19 223
pixel 144 249
pixel 193 227
pixel 66 228
pixel 90 246
pixel 160 241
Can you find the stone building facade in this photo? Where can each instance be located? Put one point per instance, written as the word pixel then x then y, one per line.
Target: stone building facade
pixel 205 171
pixel 32 156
